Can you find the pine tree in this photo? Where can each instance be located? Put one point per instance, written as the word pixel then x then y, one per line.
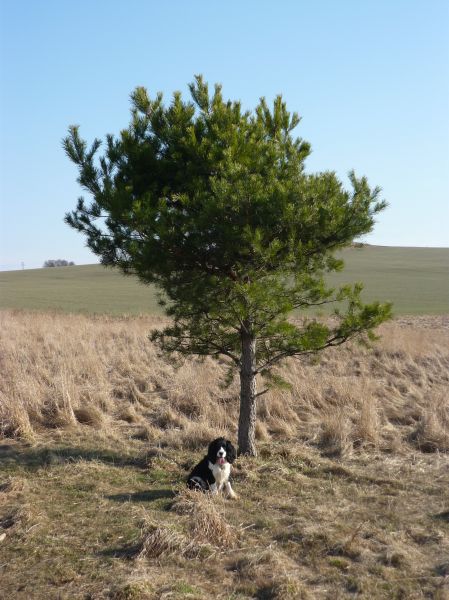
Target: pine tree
pixel 212 205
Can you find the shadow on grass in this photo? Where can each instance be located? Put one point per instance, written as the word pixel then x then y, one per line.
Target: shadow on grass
pixel 442 516
pixel 267 592
pixel 146 496
pixel 34 458
pixel 126 552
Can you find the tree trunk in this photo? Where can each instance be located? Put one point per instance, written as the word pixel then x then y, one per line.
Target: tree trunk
pixel 247 419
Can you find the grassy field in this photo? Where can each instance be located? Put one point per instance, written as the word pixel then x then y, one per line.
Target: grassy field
pixel 348 497
pixel 88 288
pixel 416 280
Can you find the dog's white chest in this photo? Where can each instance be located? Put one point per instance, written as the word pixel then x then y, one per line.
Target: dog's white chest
pixel 220 472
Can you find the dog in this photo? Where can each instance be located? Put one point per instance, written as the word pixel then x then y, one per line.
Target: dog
pixel 213 472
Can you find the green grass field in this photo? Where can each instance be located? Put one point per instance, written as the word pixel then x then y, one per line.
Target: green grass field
pixel 416 280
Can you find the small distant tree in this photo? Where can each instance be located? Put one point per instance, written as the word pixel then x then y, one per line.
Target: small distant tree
pixel 58 263
pixel 213 205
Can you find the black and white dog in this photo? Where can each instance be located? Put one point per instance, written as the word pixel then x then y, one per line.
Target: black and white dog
pixel 213 472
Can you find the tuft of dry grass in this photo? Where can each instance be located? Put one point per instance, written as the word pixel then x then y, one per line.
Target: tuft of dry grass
pixel 262 433
pixel 162 541
pixel 368 426
pixel 207 531
pixel 89 415
pixel 334 440
pixel 12 487
pixel 136 589
pixel 15 517
pixel 432 430
pixel 15 414
pixel 206 520
pixel 275 573
pixel 16 514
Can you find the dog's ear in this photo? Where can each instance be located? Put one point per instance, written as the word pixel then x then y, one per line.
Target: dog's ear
pixel 211 451
pixel 231 454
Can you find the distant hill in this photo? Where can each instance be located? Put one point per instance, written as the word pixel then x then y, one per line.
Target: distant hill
pixel 416 280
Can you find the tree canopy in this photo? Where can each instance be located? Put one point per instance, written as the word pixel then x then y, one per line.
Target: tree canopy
pixel 213 205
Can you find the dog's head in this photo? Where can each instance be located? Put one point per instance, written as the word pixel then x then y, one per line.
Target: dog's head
pixel 221 451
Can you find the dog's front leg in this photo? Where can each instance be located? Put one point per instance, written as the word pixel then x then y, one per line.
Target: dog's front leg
pixel 213 488
pixel 230 491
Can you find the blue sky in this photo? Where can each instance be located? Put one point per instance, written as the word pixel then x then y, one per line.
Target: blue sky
pixel 369 78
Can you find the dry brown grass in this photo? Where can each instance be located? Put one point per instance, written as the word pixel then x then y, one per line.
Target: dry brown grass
pixel 201 532
pixel 206 518
pixel 71 371
pixel 275 572
pixel 432 431
pixel 162 542
pixel 12 486
pixel 17 515
pixel 347 498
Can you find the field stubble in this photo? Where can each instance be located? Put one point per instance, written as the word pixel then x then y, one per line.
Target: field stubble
pixel 348 495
